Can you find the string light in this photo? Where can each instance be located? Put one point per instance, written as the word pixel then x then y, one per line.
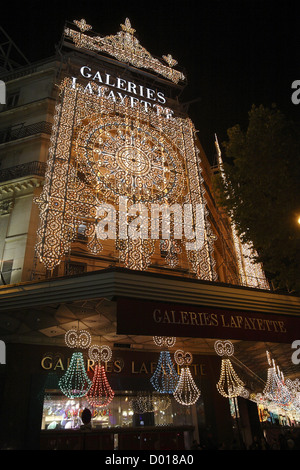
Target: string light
pixel 161 403
pixel 162 341
pixel 142 403
pixel 97 137
pixel 229 385
pixel 186 393
pixel 125 47
pixel 251 273
pixel 100 394
pixel 165 377
pixel 275 389
pixel 80 339
pixel 75 382
pixel 100 353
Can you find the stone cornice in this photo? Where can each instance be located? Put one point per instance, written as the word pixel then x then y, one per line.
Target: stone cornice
pixel 117 282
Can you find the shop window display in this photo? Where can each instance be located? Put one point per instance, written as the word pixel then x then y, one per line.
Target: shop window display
pixel 128 409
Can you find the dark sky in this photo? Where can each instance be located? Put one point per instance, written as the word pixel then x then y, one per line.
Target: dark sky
pixel 235 53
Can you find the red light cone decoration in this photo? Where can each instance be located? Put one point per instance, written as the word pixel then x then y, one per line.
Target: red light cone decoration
pixel 186 393
pixel 100 394
pixel 229 385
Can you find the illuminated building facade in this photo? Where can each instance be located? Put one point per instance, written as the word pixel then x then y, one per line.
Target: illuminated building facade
pixel 109 225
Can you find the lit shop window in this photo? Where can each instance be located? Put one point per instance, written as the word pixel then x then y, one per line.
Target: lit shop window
pixel 127 409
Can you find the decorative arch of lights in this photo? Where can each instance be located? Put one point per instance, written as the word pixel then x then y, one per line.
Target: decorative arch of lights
pixel 102 150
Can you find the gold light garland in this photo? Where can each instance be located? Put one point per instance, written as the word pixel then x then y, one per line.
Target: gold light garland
pixel 186 393
pixel 275 389
pixel 251 273
pixel 125 47
pixel 229 385
pixel 75 338
pixel 108 134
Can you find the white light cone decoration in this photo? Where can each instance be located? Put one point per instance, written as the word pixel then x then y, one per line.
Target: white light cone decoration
pixel 100 394
pixel 75 383
pixel 229 385
pixel 186 393
pixel 275 389
pixel 294 389
pixel 165 377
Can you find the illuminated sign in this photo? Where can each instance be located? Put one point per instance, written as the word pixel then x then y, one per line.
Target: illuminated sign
pixel 56 363
pixel 202 322
pixel 118 90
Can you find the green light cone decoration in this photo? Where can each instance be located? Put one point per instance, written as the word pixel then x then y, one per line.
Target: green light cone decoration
pixel 75 383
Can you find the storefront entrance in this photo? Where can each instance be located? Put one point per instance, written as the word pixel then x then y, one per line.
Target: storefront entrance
pixel 133 420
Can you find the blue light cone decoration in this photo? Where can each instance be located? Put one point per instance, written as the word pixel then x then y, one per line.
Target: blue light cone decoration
pixel 75 382
pixel 165 377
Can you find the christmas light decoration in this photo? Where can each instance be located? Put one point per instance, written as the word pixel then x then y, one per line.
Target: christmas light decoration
pixel 78 339
pixel 229 385
pixel 161 403
pixel 100 353
pixel 142 403
pixel 186 393
pixel 294 389
pixel 165 377
pixel 103 149
pixel 100 394
pixel 173 249
pixel 162 341
pixel 75 382
pixel 251 273
pixel 125 47
pixel 275 389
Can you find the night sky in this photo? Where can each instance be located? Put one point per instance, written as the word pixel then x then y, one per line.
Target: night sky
pixel 234 53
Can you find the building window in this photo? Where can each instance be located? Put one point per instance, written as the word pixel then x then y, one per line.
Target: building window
pixel 75 268
pixel 12 99
pixel 6 271
pixel 81 232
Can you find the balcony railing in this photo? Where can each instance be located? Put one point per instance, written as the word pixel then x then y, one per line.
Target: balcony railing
pixel 25 169
pixel 18 132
